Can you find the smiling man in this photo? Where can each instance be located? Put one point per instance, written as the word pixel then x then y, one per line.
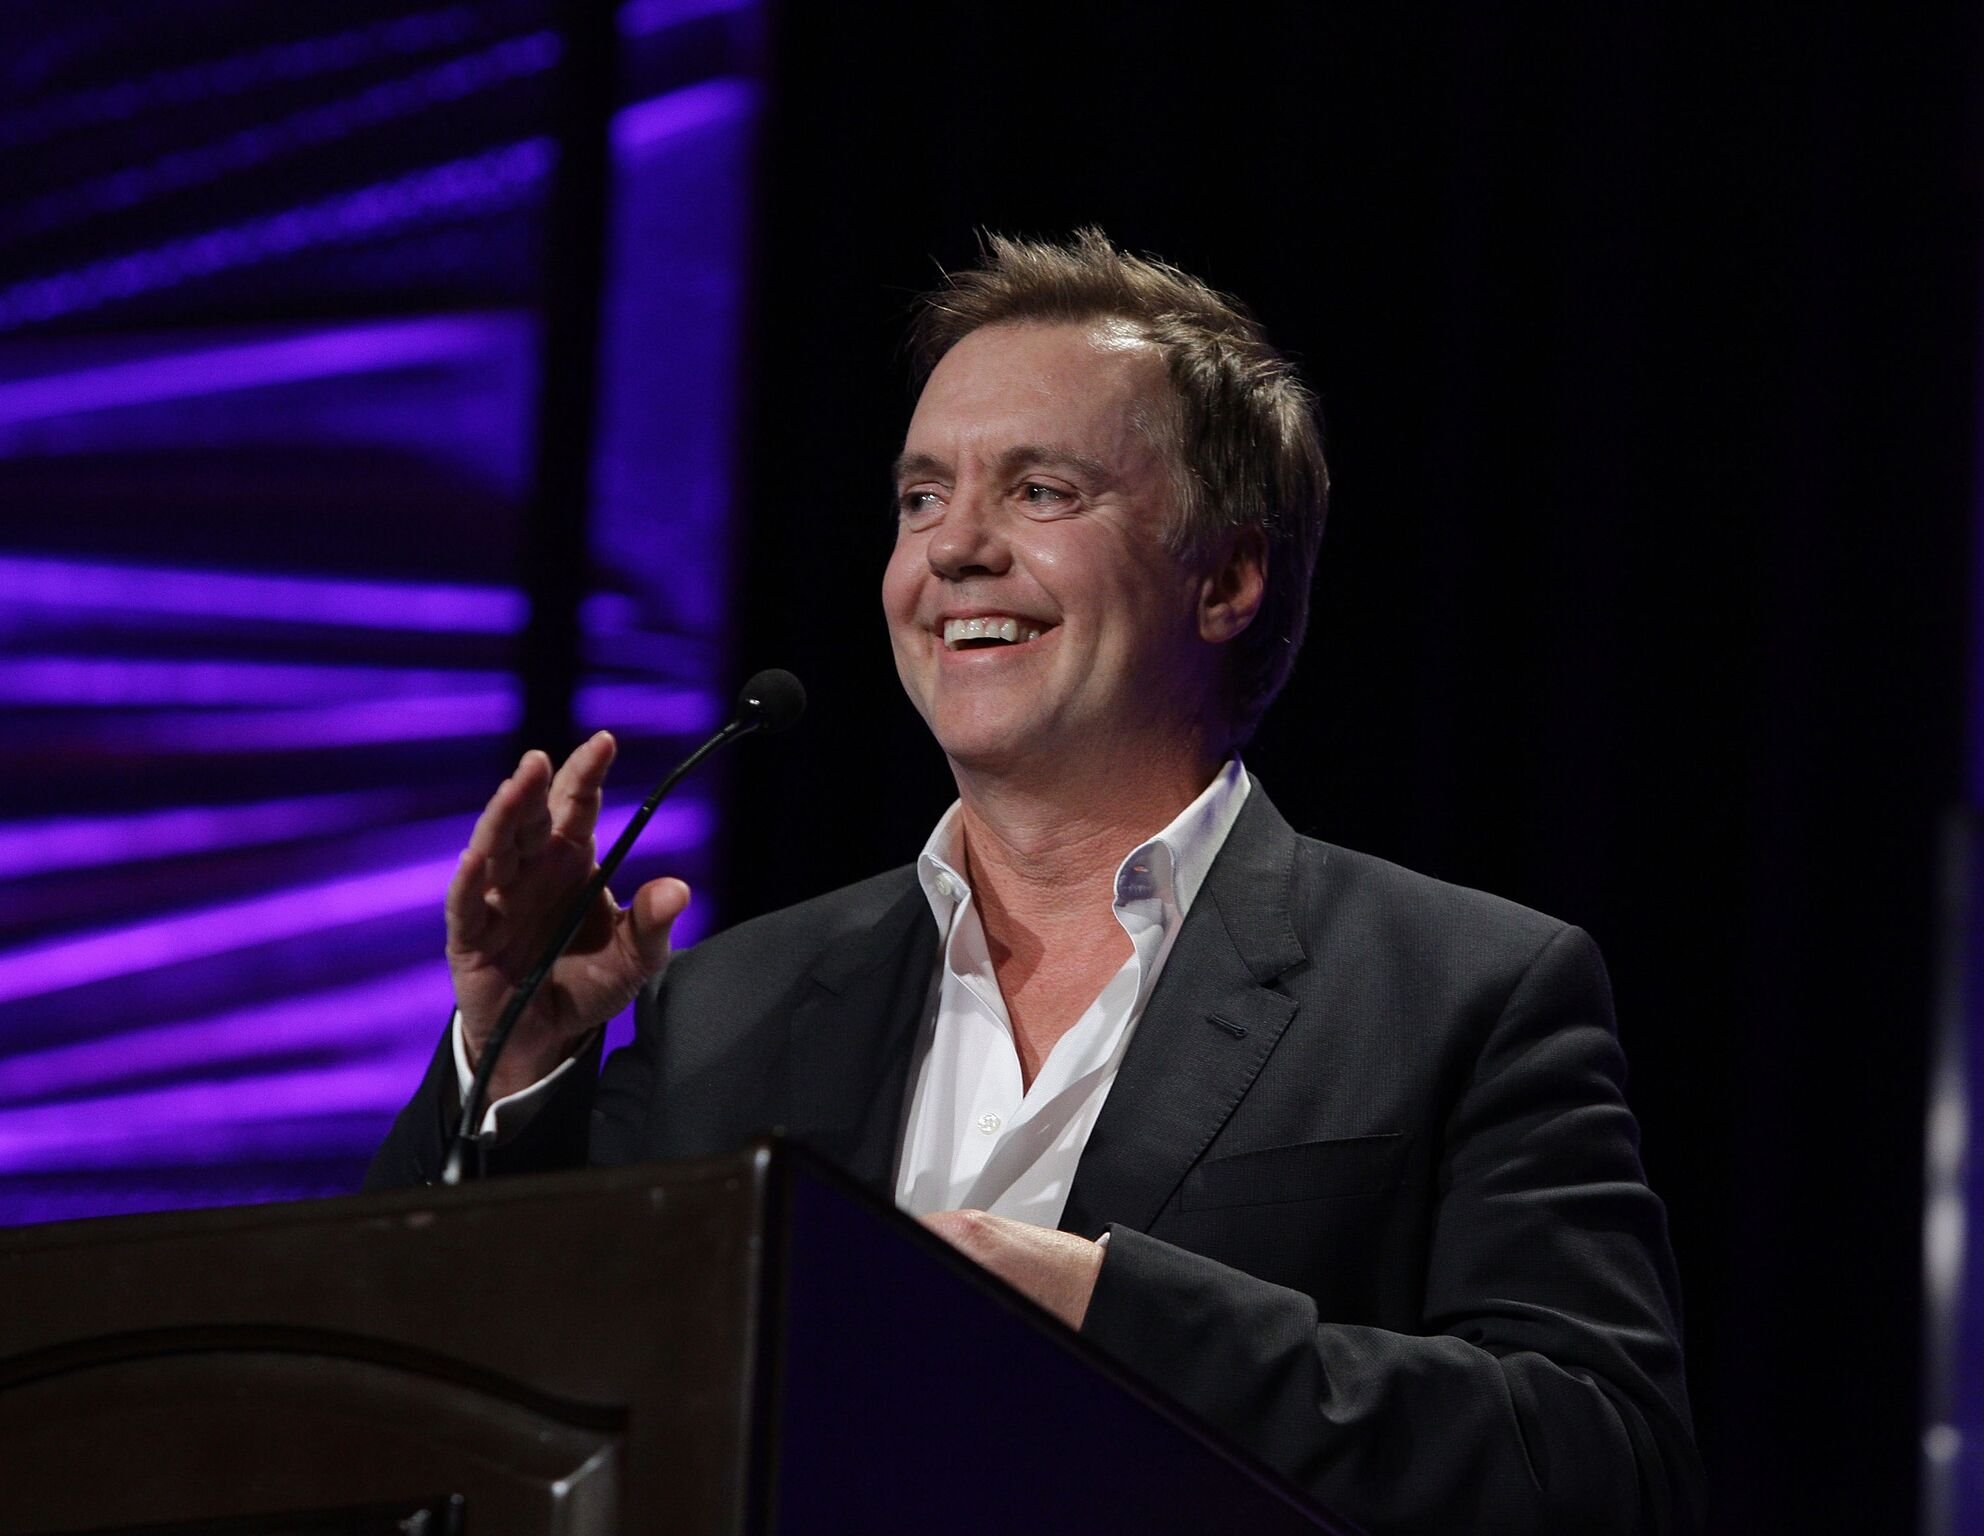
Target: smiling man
pixel 1336 1155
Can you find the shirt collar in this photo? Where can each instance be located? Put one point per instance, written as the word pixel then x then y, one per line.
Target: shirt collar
pixel 1169 867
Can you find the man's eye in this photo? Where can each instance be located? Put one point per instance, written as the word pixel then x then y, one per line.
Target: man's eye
pixel 1035 494
pixel 916 503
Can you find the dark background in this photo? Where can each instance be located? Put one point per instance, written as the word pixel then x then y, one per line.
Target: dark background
pixel 1647 350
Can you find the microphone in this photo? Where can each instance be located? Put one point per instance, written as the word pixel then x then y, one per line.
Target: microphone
pixel 769 702
pixel 773 699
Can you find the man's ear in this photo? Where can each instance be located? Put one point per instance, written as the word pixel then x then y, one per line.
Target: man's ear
pixel 1231 592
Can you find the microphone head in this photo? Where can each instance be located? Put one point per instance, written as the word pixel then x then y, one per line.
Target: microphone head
pixel 772 700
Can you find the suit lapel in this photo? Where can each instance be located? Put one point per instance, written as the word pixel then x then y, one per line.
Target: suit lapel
pixel 1207 1031
pixel 852 1037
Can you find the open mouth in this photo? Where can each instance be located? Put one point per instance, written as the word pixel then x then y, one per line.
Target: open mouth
pixel 988 631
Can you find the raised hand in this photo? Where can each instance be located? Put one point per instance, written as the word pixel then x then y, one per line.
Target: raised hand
pixel 530 854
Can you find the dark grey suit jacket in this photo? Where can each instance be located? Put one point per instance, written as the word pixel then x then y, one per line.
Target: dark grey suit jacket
pixel 1375 1196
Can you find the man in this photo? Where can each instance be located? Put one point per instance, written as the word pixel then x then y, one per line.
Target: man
pixel 1356 1139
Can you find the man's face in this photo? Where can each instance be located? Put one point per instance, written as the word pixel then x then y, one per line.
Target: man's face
pixel 1032 503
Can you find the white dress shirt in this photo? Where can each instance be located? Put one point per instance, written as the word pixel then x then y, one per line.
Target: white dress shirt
pixel 973 1136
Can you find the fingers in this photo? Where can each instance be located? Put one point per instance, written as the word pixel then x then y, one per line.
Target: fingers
pixel 504 872
pixel 514 824
pixel 577 790
pixel 651 915
pixel 468 914
pixel 490 842
pixel 530 828
pixel 518 800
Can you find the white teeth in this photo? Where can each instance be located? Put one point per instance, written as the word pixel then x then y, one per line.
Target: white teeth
pixel 956 631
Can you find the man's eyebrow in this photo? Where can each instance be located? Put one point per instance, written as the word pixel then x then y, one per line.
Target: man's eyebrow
pixel 1048 456
pixel 1023 456
pixel 920 466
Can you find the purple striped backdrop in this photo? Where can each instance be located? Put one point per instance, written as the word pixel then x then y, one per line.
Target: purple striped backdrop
pixel 261 475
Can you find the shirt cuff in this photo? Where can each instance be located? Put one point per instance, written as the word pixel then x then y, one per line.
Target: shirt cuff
pixel 508 1115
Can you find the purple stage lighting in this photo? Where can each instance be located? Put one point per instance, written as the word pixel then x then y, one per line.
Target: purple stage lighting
pixel 237 74
pixel 110 953
pixel 377 1012
pixel 84 682
pixel 259 585
pixel 86 842
pixel 372 108
pixel 494 179
pixel 480 716
pixel 194 1121
pixel 28 585
pixel 696 106
pixel 189 372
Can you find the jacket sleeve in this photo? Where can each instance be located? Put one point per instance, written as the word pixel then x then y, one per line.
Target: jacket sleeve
pixel 416 1146
pixel 1541 1389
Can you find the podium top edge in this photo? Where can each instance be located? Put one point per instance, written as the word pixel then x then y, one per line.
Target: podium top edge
pixel 753 1163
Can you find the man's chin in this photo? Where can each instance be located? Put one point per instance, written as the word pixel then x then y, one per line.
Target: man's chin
pixel 977 754
pixel 996 748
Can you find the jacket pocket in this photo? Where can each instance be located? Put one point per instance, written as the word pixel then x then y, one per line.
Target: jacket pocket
pixel 1338 1169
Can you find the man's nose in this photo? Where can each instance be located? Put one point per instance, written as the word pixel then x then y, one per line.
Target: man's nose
pixel 970 540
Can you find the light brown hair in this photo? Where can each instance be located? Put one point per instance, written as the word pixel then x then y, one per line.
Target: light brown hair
pixel 1243 441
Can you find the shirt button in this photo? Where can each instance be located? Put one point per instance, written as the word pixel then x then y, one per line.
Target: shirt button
pixel 989 1123
pixel 944 886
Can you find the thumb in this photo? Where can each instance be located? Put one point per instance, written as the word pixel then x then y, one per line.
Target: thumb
pixel 653 911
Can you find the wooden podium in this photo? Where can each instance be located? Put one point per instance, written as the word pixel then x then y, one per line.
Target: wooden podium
pixel 748 1344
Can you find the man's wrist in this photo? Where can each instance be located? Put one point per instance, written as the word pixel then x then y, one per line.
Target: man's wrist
pixel 514 1098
